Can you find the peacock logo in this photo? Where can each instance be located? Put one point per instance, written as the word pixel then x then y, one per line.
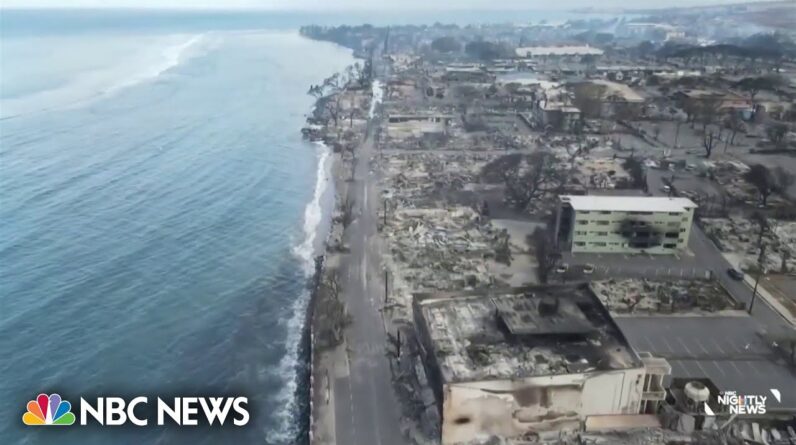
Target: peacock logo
pixel 49 410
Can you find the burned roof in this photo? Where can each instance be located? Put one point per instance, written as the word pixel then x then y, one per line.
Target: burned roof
pixel 547 315
pixel 517 333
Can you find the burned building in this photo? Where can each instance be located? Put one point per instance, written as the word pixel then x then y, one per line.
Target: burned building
pixel 400 126
pixel 530 361
pixel 557 116
pixel 624 224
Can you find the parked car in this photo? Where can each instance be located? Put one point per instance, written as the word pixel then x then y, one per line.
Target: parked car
pixel 563 267
pixel 588 269
pixel 735 274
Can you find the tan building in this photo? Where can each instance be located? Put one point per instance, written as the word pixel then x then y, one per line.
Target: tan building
pixel 538 360
pixel 624 224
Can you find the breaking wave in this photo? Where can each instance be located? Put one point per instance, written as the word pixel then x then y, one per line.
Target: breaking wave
pixel 305 251
pixel 88 85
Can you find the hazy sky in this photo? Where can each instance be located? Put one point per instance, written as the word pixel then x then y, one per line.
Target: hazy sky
pixel 358 4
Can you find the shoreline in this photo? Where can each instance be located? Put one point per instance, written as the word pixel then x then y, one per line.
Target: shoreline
pixel 326 316
pixel 311 251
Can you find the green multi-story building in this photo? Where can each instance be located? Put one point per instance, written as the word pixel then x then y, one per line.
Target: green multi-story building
pixel 624 224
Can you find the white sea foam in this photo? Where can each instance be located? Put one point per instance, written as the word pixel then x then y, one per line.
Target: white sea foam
pixel 104 74
pixel 170 57
pixel 313 213
pixel 306 252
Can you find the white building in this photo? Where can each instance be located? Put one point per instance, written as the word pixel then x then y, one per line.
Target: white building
pixel 624 224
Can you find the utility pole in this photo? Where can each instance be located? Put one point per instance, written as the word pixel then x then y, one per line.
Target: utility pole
pixel 398 345
pixel 759 274
pixel 386 284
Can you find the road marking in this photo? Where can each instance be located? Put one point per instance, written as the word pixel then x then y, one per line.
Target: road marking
pixel 696 360
pixel 687 371
pixel 373 399
pixel 755 368
pixel 718 346
pixel 682 370
pixel 665 343
pixel 351 404
pixel 649 344
pixel 691 354
pixel 737 369
pixel 364 269
pixel 365 199
pixel 715 363
pixel 704 371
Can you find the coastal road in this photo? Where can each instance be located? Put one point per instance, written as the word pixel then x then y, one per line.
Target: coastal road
pixel 367 411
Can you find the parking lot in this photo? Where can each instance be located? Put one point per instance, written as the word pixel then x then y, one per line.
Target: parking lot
pixel 616 265
pixel 728 350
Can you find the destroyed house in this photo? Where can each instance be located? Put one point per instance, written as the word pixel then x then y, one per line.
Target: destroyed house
pixel 403 125
pixel 527 360
pixel 556 116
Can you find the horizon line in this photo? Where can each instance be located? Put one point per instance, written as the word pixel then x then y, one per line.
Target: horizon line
pixel 579 9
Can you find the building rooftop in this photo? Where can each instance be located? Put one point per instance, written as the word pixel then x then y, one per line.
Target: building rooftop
pixel 628 203
pixel 619 90
pixel 521 333
pixel 464 69
pixel 532 51
pixel 551 106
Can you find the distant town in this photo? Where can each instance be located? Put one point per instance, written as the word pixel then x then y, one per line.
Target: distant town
pixel 560 233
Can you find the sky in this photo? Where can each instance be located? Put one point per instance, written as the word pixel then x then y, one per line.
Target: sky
pixel 354 4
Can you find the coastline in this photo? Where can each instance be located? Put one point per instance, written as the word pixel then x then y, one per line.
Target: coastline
pixel 326 315
pixel 316 393
pixel 311 251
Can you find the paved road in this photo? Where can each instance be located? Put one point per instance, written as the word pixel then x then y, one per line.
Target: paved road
pixel 708 255
pixel 366 408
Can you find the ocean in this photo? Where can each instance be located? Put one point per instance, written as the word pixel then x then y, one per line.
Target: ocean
pixel 160 212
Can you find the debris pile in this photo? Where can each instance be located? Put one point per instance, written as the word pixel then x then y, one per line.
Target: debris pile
pixel 429 180
pixel 739 237
pixel 641 296
pixel 442 248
